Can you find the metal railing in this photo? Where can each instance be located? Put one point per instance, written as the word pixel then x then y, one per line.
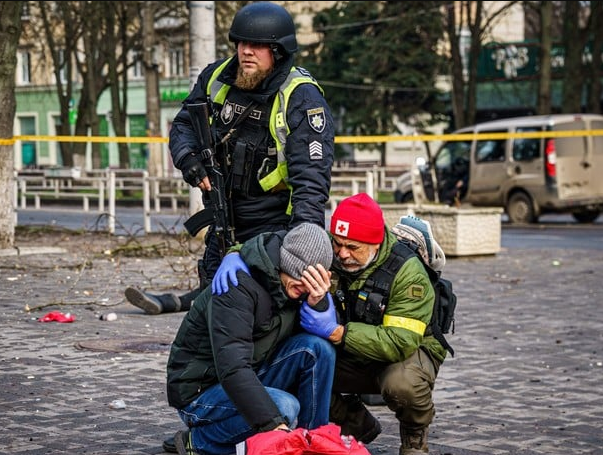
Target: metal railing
pixel 107 187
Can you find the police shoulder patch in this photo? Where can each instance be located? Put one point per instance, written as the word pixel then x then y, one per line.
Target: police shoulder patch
pixel 316 119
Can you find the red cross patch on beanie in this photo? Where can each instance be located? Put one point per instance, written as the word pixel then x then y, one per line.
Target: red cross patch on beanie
pixel 359 218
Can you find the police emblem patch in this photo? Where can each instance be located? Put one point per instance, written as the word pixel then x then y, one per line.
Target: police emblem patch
pixel 227 112
pixel 316 119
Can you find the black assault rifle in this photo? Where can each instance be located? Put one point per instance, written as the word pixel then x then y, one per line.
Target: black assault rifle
pixel 218 212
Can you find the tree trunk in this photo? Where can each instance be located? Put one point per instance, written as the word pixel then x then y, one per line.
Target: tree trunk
pixel 458 84
pixel 475 26
pixel 546 43
pixel 594 99
pixel 155 163
pixel 573 78
pixel 10 30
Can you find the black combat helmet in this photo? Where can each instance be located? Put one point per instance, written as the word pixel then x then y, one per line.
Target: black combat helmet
pixel 264 22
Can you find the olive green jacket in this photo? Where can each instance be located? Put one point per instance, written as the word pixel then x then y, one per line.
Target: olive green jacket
pixel 406 316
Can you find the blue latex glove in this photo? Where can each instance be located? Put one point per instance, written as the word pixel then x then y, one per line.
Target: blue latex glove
pixel 320 323
pixel 228 269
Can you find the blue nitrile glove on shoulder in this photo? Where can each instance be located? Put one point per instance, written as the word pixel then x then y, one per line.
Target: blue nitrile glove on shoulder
pixel 319 323
pixel 230 265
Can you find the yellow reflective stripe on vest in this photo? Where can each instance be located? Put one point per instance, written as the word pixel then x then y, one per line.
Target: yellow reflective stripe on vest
pixel 414 325
pixel 217 90
pixel 281 173
pixel 278 116
pixel 279 129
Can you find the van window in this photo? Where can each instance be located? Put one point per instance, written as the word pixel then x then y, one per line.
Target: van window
pixel 453 152
pixel 490 150
pixel 526 149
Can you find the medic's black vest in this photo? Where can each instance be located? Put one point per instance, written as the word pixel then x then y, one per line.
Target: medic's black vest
pixel 369 303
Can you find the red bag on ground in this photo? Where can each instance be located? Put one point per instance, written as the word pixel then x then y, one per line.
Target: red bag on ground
pixel 325 440
pixel 276 442
pixel 57 316
pixel 328 440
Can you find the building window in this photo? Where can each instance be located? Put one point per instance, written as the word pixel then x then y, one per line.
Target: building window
pixel 137 68
pixel 27 126
pixel 25 11
pixel 24 68
pixel 176 62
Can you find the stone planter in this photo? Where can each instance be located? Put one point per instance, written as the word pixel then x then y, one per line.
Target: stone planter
pixel 460 231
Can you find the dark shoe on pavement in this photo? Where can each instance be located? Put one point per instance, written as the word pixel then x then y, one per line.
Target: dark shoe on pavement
pixel 149 303
pixel 183 442
pixel 169 445
pixel 354 418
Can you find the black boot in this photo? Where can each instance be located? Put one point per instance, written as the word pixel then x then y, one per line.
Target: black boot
pixel 351 415
pixel 186 300
pixel 169 445
pixel 151 303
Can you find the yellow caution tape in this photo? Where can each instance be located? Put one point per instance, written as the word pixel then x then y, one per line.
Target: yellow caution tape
pixel 338 139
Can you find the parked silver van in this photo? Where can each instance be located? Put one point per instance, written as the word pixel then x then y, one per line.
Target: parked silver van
pixel 526 175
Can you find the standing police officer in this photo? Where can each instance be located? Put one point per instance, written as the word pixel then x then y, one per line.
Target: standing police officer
pixel 275 129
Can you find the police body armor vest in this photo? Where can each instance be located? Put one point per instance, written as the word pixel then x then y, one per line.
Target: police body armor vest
pixel 258 162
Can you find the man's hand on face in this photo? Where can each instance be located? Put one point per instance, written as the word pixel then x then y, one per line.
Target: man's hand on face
pixel 317 281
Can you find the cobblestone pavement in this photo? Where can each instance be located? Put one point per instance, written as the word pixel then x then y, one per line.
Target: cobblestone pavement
pixel 526 377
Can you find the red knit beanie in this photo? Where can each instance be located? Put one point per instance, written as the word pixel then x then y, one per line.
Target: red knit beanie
pixel 359 218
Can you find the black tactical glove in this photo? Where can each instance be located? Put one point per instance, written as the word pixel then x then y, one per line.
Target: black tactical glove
pixel 192 169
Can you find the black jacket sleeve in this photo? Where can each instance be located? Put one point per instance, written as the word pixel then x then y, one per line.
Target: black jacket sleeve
pixel 309 151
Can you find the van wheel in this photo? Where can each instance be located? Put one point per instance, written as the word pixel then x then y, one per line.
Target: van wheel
pixel 586 216
pixel 520 209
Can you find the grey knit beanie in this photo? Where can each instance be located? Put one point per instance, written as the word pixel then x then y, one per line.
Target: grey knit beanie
pixel 305 245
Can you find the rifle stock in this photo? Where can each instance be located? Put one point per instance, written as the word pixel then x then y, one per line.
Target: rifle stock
pixel 218 210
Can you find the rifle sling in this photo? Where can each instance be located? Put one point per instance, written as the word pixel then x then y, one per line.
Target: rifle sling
pixel 248 110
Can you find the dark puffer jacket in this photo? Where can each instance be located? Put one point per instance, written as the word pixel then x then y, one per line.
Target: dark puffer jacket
pixel 225 338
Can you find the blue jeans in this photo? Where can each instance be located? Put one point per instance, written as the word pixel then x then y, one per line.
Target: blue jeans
pixel 304 361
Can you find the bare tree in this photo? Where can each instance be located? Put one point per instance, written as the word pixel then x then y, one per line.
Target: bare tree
pixel 94 44
pixel 10 30
pixel 470 16
pixel 546 44
pixel 151 74
pixel 596 26
pixel 575 36
pixel 60 46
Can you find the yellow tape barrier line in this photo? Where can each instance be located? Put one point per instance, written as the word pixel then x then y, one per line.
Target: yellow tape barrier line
pixel 131 140
pixel 338 139
pixel 465 136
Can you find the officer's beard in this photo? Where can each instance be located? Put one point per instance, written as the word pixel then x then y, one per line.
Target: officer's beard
pixel 251 81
